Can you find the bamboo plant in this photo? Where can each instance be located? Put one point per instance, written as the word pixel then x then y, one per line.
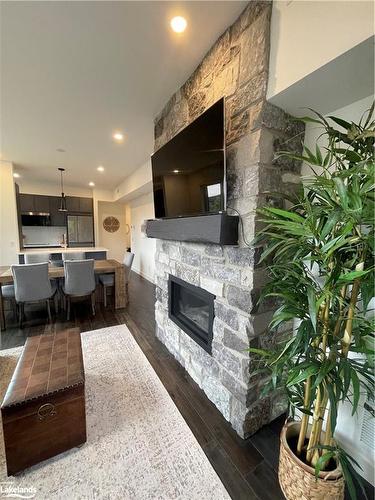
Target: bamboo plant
pixel 319 255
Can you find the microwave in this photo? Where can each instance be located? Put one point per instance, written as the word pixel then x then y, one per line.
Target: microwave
pixel 36 219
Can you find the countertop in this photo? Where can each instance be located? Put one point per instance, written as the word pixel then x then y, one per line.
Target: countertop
pixel 62 250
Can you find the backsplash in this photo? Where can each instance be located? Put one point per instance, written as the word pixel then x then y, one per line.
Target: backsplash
pixel 50 235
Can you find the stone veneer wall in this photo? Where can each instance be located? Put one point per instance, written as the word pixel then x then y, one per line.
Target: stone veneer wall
pixel 235 67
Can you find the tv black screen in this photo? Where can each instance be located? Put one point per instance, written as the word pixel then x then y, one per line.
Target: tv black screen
pixel 189 171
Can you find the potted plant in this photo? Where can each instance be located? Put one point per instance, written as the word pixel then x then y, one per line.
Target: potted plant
pixel 319 255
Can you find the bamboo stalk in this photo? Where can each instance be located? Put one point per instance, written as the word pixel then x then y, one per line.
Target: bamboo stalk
pixel 321 400
pixel 328 436
pixel 336 330
pixel 347 338
pixel 305 417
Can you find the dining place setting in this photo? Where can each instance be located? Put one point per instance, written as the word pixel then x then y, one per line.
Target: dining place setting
pixel 41 280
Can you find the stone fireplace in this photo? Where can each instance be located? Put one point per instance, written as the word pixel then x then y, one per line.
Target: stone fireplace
pixel 235 67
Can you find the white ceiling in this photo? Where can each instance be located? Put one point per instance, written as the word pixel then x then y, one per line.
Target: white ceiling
pixel 73 72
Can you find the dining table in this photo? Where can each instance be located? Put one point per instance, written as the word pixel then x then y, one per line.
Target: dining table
pixel 108 266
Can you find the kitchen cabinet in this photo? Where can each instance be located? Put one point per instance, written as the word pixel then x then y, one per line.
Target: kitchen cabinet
pixel 77 204
pixel 72 203
pixel 85 205
pixel 57 218
pixel 41 203
pixel 27 202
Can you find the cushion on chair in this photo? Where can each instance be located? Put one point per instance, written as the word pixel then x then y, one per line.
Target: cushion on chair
pixel 107 279
pixel 8 291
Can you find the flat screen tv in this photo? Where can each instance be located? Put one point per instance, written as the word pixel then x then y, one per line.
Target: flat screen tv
pixel 189 171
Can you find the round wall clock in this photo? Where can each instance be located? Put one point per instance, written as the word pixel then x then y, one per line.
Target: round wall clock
pixel 111 224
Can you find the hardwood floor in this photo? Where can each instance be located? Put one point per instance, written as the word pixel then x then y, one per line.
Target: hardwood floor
pixel 248 469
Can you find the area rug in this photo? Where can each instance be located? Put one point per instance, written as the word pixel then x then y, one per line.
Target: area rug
pixel 138 445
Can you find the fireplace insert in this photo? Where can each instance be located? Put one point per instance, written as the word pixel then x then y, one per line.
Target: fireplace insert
pixel 192 309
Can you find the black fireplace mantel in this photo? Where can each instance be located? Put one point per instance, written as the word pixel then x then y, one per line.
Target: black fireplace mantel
pixel 221 229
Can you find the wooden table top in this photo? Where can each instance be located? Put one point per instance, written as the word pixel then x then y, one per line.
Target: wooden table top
pixel 100 267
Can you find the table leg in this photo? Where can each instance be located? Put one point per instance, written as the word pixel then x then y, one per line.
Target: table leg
pixel 2 315
pixel 121 297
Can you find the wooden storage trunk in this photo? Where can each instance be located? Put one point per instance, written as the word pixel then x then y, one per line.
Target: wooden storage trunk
pixel 43 412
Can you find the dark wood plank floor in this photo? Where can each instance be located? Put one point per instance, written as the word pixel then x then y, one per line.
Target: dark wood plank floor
pixel 248 469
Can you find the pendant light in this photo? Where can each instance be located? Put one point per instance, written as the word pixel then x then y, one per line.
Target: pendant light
pixel 63 199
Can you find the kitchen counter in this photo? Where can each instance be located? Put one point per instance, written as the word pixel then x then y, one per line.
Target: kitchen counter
pixel 62 250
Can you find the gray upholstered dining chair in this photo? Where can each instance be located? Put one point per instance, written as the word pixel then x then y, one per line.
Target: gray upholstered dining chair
pixel 79 282
pixel 73 256
pixel 108 280
pixel 32 284
pixel 36 258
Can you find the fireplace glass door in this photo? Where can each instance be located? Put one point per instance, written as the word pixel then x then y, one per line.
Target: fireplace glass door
pixel 192 309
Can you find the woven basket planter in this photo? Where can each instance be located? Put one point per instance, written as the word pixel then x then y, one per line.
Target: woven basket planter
pixel 298 481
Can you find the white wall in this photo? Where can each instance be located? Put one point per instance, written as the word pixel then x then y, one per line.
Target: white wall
pixel 9 239
pixel 351 112
pixel 306 35
pixel 136 184
pixel 52 188
pixel 348 430
pixel 117 242
pixel 144 248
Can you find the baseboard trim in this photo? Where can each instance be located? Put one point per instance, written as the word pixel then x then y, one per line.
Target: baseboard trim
pixel 144 275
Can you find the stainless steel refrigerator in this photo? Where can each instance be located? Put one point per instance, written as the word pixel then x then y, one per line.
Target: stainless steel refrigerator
pixel 80 231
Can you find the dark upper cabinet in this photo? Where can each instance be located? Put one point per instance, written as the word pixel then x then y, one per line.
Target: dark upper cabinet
pixel 34 203
pixel 57 218
pixel 85 205
pixel 42 204
pixel 76 204
pixel 72 203
pixel 27 202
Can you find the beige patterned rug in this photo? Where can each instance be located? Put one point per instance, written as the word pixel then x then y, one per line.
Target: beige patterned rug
pixel 138 446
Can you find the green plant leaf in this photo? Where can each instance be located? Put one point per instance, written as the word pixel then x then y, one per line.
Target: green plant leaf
pixel 286 214
pixel 310 370
pixel 341 191
pixel 356 390
pixel 333 403
pixel 325 458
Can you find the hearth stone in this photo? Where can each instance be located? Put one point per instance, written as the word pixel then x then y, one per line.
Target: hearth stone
pixel 235 67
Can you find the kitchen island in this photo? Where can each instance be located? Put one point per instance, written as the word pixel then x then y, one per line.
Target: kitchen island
pixel 96 253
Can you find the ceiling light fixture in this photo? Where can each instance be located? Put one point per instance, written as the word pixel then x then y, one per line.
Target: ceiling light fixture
pixel 118 136
pixel 100 168
pixel 92 184
pixel 63 199
pixel 175 171
pixel 16 175
pixel 178 24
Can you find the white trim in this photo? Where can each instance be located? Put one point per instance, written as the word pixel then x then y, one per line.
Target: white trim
pixel 144 275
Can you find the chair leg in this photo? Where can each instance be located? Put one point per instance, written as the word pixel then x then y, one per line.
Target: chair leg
pixel 14 308
pixel 105 296
pixel 21 311
pixel 56 302
pixel 68 308
pixel 93 303
pixel 49 311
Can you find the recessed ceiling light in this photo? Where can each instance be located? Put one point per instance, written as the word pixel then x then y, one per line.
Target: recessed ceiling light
pixel 178 24
pixel 16 175
pixel 100 168
pixel 175 171
pixel 92 184
pixel 118 136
